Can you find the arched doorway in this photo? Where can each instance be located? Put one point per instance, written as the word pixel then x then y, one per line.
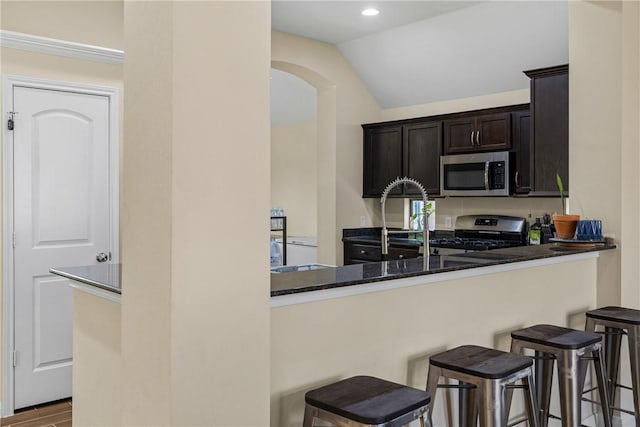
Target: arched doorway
pixel 325 158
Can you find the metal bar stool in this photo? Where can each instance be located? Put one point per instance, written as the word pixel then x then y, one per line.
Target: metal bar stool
pixel 619 321
pixel 365 401
pixel 570 348
pixel 491 373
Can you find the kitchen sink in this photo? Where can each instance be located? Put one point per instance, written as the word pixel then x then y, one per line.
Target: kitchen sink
pixel 302 267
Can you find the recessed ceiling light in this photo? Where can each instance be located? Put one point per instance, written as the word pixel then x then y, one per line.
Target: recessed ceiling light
pixel 370 12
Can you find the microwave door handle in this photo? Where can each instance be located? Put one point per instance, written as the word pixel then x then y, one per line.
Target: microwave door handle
pixel 486 175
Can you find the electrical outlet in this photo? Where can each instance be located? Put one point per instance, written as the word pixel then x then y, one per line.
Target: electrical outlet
pixel 363 221
pixel 447 221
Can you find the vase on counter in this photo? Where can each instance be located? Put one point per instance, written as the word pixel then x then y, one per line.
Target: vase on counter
pixel 565 225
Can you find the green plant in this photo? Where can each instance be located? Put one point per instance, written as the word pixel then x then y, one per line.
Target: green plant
pixel 561 189
pixel 427 214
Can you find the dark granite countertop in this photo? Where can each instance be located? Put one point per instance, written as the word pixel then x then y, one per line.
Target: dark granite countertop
pixel 372 235
pixel 103 276
pixel 335 277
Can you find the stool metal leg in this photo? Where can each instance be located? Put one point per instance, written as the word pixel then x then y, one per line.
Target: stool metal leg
pixel 634 356
pixel 612 344
pixel 467 414
pixel 601 379
pixel 530 401
pixel 308 416
pixel 543 381
pixel 432 386
pixel 569 387
pixel 491 403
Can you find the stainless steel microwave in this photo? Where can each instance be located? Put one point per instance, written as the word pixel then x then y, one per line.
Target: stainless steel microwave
pixel 478 174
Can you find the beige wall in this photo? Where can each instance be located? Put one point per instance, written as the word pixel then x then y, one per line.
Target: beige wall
pixel 630 203
pixel 97 398
pixel 97 23
pixel 457 105
pixel 390 334
pixel 603 134
pixel 294 175
pixel 344 103
pixel 196 142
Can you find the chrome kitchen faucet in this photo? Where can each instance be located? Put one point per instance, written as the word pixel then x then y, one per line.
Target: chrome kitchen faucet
pixel 385 232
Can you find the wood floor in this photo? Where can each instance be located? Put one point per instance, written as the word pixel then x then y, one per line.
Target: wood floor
pixel 56 414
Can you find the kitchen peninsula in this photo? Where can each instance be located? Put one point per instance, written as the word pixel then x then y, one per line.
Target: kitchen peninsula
pixel 381 318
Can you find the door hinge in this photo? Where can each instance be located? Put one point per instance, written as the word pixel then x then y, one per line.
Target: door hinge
pixel 10 122
pixel 13 239
pixel 15 358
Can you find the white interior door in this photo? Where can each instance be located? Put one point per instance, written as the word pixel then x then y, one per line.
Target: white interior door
pixel 61 218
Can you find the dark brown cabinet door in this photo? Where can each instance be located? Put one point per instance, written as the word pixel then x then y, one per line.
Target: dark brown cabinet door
pixel 490 132
pixel 549 129
pixel 522 147
pixel 459 135
pixel 493 132
pixel 382 160
pixel 422 149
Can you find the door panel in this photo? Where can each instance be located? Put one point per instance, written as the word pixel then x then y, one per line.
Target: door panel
pixel 494 132
pixel 423 147
pixel 459 135
pixel 382 160
pixel 61 218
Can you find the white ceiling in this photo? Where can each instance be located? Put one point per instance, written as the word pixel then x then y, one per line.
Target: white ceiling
pixel 338 21
pixel 461 49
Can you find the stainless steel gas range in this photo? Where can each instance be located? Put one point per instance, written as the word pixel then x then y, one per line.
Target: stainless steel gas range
pixel 481 233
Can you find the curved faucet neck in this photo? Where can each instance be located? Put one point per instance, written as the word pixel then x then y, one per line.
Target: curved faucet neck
pixel 383 200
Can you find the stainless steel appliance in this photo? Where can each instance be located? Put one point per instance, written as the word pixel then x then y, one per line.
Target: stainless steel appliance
pixel 478 174
pixel 481 233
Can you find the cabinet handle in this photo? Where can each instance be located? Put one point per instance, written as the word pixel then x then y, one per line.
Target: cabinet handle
pixel 362 252
pixel 400 256
pixel 471 138
pixel 478 137
pixel 516 179
pixel 486 175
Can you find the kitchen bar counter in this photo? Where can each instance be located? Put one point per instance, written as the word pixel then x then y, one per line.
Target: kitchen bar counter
pixel 336 277
pixel 102 280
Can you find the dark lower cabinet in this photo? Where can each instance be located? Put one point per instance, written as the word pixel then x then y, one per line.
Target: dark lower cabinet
pixel 359 253
pixel 411 150
pixel 549 129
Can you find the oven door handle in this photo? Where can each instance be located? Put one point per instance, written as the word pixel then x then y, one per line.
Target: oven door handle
pixel 486 175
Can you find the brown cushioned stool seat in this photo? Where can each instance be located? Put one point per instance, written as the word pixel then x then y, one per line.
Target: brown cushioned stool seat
pixel 489 374
pixel 617 322
pixel 569 347
pixel 365 400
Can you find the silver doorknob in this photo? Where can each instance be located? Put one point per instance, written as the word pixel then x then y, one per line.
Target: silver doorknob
pixel 102 257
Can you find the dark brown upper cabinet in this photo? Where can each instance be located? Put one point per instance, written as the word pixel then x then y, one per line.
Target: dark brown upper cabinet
pixel 394 151
pixel 383 160
pixel 521 142
pixel 549 129
pixel 488 132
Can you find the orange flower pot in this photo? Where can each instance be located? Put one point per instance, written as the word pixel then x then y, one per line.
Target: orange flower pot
pixel 565 225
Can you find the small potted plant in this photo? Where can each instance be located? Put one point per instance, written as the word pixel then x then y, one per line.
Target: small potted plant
pixel 422 220
pixel 564 223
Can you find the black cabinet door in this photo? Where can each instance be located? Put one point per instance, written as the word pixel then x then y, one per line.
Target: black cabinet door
pixel 489 132
pixel 522 147
pixel 382 160
pixel 549 129
pixel 459 135
pixel 493 132
pixel 422 149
